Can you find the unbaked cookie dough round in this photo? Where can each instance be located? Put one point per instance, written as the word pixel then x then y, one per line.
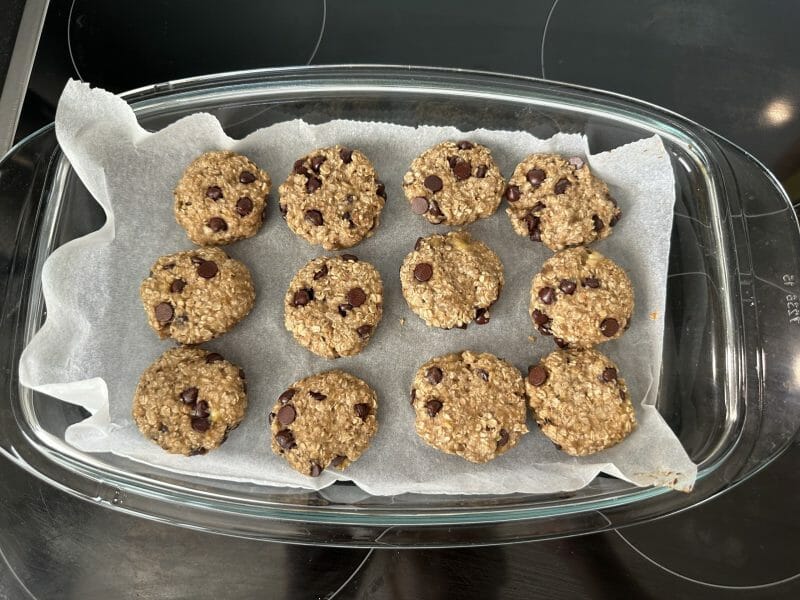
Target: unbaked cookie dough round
pixel 189 399
pixel 221 198
pixel 333 305
pixel 197 295
pixel 557 201
pixel 451 280
pixel 454 183
pixel 469 404
pixel 333 197
pixel 581 298
pixel 580 402
pixel 325 420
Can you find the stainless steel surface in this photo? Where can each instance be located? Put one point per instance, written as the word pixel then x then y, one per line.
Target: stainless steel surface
pixel 19 69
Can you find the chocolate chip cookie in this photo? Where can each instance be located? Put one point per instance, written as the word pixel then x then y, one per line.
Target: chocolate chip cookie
pixel 469 404
pixel 454 183
pixel 325 420
pixel 333 305
pixel 580 401
pixel 581 298
pixel 221 198
pixel 557 201
pixel 195 296
pixel 451 280
pixel 189 399
pixel 333 197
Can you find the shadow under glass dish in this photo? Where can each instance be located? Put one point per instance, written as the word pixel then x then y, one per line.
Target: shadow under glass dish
pixel 731 362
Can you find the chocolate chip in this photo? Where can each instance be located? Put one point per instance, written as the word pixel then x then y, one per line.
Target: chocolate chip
pixel 481 316
pixel 562 185
pixel 462 325
pixel 349 257
pixel 512 193
pixel 609 374
pixel 452 161
pixel 561 343
pixel 465 145
pixel 343 308
pixel 214 192
pixel 567 286
pixel 545 328
pixel 609 327
pixel 313 184
pixel 287 414
pixel 318 396
pixel 208 269
pixel 434 210
pixel 537 207
pixel 481 171
pixel 244 206
pixel 241 374
pixel 532 224
pixel 434 375
pixel 168 266
pixel 346 155
pixel 364 330
pixel 433 183
pixel 433 407
pixel 217 224
pixel 285 439
pixel 314 217
pixel 539 317
pixel 299 168
pixel 590 282
pixel 622 395
pixel 537 375
pixel 535 177
pixel 213 357
pixel 286 396
pixel 423 272
pixel 302 297
pixel 615 219
pixel 482 373
pixel 316 163
pixel 418 244
pixel 419 205
pixel 197 451
pixel 547 295
pixel 598 223
pixel 164 312
pixel 503 438
pixel 337 460
pixel 177 286
pixel 362 410
pixel 576 161
pixel 413 395
pixel 316 470
pixel 381 189
pixel 462 170
pixel 271 417
pixel 356 297
pixel 246 177
pixel 321 273
pixel 162 428
pixel 201 424
pixel 281 208
pixel 189 395
pixel 201 409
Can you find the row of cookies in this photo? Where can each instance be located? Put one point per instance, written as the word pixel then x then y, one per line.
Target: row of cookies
pixel 334 198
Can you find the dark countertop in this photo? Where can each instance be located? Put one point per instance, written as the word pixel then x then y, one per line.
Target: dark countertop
pixel 732 66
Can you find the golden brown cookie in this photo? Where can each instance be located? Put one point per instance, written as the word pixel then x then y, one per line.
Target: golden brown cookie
pixel 221 198
pixel 195 296
pixel 451 280
pixel 558 202
pixel 469 404
pixel 188 400
pixel 580 401
pixel 454 183
pixel 581 298
pixel 325 420
pixel 333 197
pixel 334 304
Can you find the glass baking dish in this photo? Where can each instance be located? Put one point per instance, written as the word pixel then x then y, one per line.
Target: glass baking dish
pixel 731 364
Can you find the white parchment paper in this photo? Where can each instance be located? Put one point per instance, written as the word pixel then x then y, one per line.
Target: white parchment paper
pixel 95 342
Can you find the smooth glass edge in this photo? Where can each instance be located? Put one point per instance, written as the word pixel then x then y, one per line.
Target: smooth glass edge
pixel 328 89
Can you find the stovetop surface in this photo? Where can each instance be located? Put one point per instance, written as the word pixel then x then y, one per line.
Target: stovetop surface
pixel 732 66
